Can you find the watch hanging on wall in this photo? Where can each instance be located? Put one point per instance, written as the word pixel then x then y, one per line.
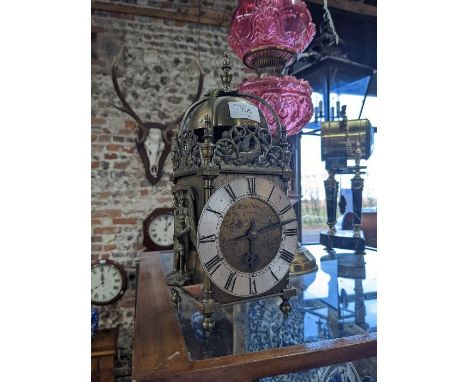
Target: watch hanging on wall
pixel 108 282
pixel 158 230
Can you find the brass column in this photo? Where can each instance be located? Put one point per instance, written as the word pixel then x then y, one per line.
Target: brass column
pixel 207 150
pixel 357 185
pixel 331 194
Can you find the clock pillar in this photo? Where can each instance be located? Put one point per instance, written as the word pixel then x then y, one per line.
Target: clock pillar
pixel 331 196
pixel 357 185
pixel 208 172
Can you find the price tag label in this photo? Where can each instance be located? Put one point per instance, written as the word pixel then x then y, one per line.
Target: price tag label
pixel 243 110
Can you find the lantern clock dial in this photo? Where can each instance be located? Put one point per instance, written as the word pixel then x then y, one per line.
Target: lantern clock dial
pixel 108 282
pixel 247 236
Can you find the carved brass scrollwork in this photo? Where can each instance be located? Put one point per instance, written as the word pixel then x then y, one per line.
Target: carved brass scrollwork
pixel 248 144
pixel 186 151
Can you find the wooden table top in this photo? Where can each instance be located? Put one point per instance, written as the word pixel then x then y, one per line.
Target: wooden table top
pixel 163 352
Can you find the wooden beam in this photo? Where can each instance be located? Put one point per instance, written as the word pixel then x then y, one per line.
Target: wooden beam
pixel 186 14
pixel 349 6
pixel 210 17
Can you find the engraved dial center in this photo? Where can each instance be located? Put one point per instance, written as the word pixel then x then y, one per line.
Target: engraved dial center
pixel 243 243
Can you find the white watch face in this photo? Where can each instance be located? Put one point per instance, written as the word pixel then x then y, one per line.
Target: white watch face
pixel 161 230
pixel 106 283
pixel 247 236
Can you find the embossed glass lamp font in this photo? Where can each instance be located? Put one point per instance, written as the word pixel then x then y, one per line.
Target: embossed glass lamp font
pixel 269 36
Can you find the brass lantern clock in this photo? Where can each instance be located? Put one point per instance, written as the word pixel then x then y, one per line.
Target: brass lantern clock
pixel 235 229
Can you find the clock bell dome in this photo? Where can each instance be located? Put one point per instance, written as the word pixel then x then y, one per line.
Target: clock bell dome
pixel 226 129
pixel 225 111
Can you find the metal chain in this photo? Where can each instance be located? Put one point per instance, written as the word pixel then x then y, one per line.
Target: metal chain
pixel 328 16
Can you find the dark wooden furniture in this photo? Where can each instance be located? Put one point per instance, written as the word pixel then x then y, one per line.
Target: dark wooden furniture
pixel 103 351
pixel 166 346
pixel 369 226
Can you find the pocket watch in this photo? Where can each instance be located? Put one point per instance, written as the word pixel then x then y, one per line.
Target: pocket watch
pixel 247 236
pixel 158 230
pixel 108 282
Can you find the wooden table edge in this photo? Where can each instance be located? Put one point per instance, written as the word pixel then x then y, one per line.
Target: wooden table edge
pixel 237 367
pixel 156 320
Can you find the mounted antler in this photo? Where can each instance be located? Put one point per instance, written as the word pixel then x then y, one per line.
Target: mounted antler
pixel 126 107
pixel 151 149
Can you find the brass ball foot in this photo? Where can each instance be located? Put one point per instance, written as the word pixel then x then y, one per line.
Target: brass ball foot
pixel 175 297
pixel 208 323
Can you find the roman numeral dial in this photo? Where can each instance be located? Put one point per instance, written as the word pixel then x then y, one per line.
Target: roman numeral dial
pixel 213 264
pixel 290 232
pixel 247 236
pixel 251 185
pixel 253 286
pixel 286 255
pixel 285 209
pixel 230 192
pixel 208 239
pixel 230 282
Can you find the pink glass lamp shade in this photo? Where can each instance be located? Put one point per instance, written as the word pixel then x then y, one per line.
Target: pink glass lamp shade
pixel 288 96
pixel 272 29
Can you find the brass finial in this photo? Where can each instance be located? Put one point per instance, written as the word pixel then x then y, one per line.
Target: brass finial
pixel 208 133
pixel 357 155
pixel 226 76
pixel 207 147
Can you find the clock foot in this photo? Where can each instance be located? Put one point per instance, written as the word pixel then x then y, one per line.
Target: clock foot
pixel 285 306
pixel 208 323
pixel 330 255
pixel 175 296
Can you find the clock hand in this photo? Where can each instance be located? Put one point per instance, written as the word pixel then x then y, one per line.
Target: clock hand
pixel 250 258
pixel 264 229
pixel 251 233
pixel 239 238
pixel 280 224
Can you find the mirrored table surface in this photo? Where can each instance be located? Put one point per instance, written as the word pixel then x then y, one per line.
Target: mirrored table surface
pixel 338 300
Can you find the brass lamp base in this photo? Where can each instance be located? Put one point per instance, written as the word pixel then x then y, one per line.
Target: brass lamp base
pixel 304 262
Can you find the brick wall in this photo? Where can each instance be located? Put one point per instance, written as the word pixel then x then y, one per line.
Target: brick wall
pixel 159 77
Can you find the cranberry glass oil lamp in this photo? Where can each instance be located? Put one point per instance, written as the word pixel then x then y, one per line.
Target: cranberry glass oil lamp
pixel 269 36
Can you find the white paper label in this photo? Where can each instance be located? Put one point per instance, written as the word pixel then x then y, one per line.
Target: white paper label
pixel 243 110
